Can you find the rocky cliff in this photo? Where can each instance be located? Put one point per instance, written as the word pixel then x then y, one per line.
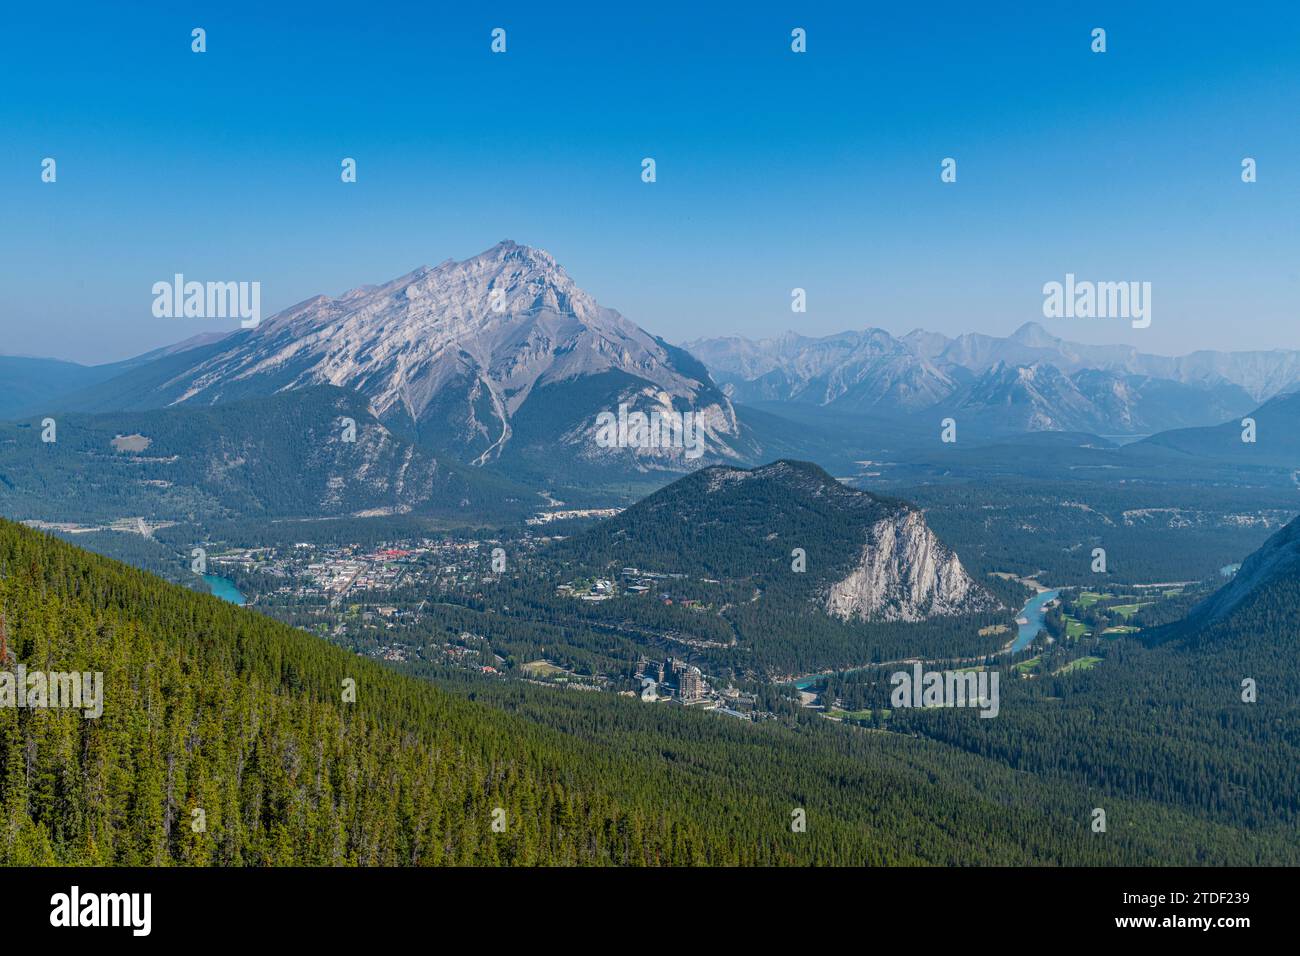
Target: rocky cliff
pixel 905 573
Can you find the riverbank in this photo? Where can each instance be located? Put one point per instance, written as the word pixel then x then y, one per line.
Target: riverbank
pixel 1033 613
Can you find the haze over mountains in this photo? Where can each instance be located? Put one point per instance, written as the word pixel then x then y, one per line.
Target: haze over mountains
pixel 1028 381
pixel 502 364
pixel 30 383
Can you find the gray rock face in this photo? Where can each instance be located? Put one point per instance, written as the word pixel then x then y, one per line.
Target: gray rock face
pixel 905 573
pixel 462 349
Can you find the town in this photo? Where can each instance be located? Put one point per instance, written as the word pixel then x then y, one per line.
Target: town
pixel 394 602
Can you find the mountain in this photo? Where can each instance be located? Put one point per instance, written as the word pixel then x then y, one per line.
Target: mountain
pixel 287 455
pixel 1275 565
pixel 861 370
pixel 1041 397
pixel 29 382
pixel 865 557
pixel 1260 374
pixel 1276 444
pixel 35 386
pixel 500 358
pixel 1028 381
pixel 1027 398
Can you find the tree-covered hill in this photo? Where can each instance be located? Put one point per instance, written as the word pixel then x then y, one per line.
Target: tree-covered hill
pixel 766 553
pixel 741 524
pixel 1274 441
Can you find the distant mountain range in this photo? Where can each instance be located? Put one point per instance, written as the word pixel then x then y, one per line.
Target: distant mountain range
pixel 500 367
pixel 1028 381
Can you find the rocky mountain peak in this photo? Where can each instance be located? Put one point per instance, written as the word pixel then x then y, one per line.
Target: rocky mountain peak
pixel 1035 336
pixel 905 573
pixel 458 349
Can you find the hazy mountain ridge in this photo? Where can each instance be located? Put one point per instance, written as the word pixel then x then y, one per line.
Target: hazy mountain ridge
pixel 1030 380
pixel 1276 434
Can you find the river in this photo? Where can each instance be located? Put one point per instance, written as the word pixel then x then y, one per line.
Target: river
pixel 1032 612
pixel 225 589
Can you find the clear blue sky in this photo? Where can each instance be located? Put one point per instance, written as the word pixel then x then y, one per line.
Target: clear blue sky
pixel 775 170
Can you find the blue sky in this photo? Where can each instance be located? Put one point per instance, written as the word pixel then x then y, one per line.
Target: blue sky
pixel 775 170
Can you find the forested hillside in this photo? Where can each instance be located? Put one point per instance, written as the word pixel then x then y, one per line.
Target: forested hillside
pixel 208 707
pixel 289 455
pixel 1198 714
pixel 758 553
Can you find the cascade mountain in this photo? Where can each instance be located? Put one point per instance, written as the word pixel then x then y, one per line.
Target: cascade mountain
pixel 501 358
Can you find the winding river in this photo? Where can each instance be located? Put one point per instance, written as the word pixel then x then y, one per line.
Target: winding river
pixel 1032 614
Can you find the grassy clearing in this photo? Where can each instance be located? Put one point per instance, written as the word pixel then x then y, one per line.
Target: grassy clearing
pixel 1082 664
pixel 1128 610
pixel 1025 666
pixel 542 669
pixel 1074 629
pixel 857 714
